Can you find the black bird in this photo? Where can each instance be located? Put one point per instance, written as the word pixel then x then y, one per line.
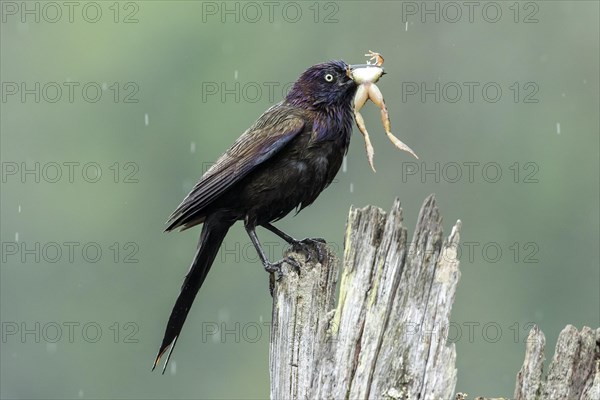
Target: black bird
pixel 282 162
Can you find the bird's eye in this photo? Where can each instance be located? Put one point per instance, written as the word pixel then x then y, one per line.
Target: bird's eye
pixel 329 77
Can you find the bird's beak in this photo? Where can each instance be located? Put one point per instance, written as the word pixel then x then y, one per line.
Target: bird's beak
pixel 365 73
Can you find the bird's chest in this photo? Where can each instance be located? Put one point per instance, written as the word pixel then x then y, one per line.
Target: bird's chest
pixel 318 163
pixel 307 170
pixel 295 177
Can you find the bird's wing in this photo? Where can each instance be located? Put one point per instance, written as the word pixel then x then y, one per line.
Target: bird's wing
pixel 269 134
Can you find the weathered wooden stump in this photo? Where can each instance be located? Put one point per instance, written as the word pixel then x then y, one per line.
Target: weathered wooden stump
pixel 384 338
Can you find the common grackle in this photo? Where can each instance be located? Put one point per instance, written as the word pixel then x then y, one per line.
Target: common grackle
pixel 282 162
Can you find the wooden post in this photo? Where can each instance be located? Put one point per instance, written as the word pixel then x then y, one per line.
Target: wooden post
pixel 385 337
pixel 373 343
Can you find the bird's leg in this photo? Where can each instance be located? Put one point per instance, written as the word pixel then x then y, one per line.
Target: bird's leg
pixel 269 266
pixel 288 238
pixel 280 233
pixel 301 244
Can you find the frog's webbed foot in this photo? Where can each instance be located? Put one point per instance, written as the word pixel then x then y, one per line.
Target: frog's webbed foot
pixel 374 56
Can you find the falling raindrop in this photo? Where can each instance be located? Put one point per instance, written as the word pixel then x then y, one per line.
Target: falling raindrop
pixel 235 74
pixel 19 209
pixel 345 164
pixel 558 128
pixel 406 26
pixel 193 147
pixel 351 187
pixel 173 369
pixel 80 393
pixel 104 86
pixel 146 119
pixel 16 236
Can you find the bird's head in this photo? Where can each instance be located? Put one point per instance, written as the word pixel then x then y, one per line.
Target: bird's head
pixel 324 86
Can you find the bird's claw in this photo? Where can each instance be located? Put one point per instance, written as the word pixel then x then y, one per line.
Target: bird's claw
pixel 276 268
pixel 275 272
pixel 293 263
pixel 308 244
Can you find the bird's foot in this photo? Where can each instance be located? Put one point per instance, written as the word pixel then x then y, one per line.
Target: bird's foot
pixel 275 268
pixel 309 245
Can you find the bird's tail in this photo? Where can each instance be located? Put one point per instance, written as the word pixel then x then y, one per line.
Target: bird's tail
pixel 213 233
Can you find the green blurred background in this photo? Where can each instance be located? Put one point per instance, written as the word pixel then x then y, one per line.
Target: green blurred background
pixel 541 213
